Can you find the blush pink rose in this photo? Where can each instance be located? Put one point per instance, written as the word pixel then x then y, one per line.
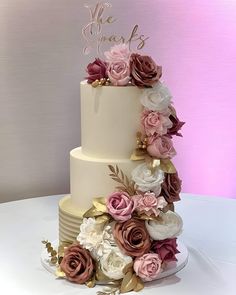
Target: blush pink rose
pixel 155 122
pixel 120 206
pixel 149 204
pixel 119 73
pixel 118 52
pixel 161 147
pixel 148 266
pixel 166 249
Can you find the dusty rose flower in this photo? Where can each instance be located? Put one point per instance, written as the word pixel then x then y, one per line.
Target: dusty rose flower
pixel 118 52
pixel 120 206
pixel 166 249
pixel 148 266
pixel 77 264
pixel 176 124
pixel 171 187
pixel 119 73
pixel 144 71
pixel 96 70
pixel 155 122
pixel 132 237
pixel 161 147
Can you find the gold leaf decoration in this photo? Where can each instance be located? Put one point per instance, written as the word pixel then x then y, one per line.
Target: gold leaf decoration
pixel 146 217
pixel 130 281
pixel 59 273
pixel 51 251
pixel 138 155
pixel 100 204
pixel 167 166
pixel 118 176
pixel 92 212
pixel 103 219
pixel 139 286
pixel 91 283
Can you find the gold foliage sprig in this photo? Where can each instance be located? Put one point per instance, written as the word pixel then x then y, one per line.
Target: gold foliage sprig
pixel 125 184
pixel 51 251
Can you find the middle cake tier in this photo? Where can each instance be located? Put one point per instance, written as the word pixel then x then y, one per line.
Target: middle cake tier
pixel 89 177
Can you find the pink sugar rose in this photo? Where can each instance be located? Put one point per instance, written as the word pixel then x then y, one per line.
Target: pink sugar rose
pixel 120 206
pixel 119 73
pixel 155 122
pixel 161 147
pixel 119 52
pixel 148 266
pixel 166 249
pixel 149 204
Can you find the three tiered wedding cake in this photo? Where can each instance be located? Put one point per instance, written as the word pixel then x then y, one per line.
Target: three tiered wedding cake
pixel 118 224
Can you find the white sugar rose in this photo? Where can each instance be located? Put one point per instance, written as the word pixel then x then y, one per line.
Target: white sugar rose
pixel 169 227
pixel 157 98
pixel 148 180
pixel 113 263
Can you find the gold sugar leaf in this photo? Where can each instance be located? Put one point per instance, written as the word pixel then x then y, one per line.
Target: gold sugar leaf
pixel 167 166
pixel 117 170
pixel 59 273
pixel 129 282
pixel 139 286
pixel 100 276
pixel 127 268
pixel 53 260
pixel 105 218
pixel 100 204
pixel 138 155
pixel 111 168
pixel 92 212
pixel 91 283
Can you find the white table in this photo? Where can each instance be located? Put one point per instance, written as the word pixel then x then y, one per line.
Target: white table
pixel 209 233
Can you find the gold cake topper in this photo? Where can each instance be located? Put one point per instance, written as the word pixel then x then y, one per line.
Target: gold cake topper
pixel 93 31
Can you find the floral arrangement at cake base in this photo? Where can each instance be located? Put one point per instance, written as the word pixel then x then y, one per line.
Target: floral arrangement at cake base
pixel 126 239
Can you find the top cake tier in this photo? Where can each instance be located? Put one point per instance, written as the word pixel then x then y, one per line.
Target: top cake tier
pixel 110 118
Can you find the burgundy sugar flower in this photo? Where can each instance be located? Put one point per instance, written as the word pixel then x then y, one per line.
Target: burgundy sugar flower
pixel 96 70
pixel 166 249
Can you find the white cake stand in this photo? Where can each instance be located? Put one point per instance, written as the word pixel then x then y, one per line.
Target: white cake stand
pixel 172 267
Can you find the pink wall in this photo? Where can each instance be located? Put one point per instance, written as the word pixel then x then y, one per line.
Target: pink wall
pixel 196 44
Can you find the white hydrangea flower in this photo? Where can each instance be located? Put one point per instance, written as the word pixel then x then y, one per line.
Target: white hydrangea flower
pixel 148 180
pixel 95 238
pixel 169 227
pixel 157 98
pixel 113 262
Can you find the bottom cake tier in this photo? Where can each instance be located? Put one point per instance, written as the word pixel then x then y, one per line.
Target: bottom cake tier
pixel 70 219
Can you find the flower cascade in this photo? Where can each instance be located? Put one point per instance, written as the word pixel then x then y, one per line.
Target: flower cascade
pixel 130 236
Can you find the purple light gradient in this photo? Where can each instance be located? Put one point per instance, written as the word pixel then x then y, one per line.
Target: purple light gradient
pixel 196 45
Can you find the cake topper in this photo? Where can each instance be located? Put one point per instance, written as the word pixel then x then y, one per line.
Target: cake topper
pixel 95 37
